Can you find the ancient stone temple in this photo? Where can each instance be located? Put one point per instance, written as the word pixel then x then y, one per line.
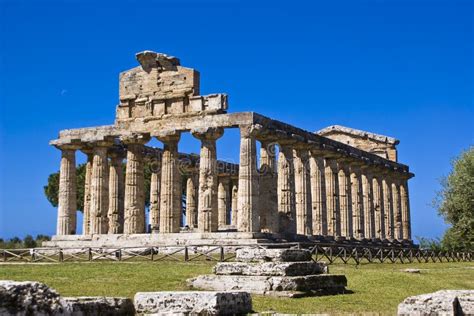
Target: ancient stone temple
pixel 334 184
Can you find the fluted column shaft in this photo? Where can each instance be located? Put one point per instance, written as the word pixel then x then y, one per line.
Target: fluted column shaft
pixel 332 197
pixel 67 204
pixel 208 220
pixel 378 207
pixel 368 205
pixel 115 213
pixel 248 217
pixel 223 200
pixel 155 185
pixel 235 209
pixel 302 193
pixel 268 188
pixel 357 203
pixel 387 207
pixel 191 205
pixel 318 194
pixel 405 210
pixel 345 206
pixel 286 191
pixel 99 191
pixel 87 195
pixel 170 198
pixel 134 190
pixel 397 214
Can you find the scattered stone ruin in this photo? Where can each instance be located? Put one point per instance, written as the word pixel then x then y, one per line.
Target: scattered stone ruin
pixel 444 302
pixel 335 184
pixel 193 303
pixel 35 298
pixel 277 272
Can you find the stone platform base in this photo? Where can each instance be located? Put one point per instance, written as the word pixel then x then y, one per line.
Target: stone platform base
pixel 167 239
pixel 272 285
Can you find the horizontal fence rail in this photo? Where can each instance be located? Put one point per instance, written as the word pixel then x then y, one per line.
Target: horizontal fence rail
pixel 331 253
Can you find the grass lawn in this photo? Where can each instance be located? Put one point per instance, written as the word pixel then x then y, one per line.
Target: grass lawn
pixel 376 287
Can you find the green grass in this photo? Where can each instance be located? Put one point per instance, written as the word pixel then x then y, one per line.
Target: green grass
pixel 376 287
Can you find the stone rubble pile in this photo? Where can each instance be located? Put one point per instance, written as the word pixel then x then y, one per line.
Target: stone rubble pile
pixel 445 302
pixel 280 272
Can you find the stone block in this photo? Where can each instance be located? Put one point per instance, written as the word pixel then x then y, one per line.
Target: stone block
pixel 35 298
pixel 194 303
pixel 98 306
pixel 265 284
pixel 445 302
pixel 276 255
pixel 29 298
pixel 271 268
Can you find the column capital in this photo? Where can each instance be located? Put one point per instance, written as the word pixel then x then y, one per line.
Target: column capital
pixel 251 130
pixel 208 133
pixel 135 138
pixel 224 179
pixel 168 136
pixel 70 146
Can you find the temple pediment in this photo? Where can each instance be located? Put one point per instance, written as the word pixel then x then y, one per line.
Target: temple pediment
pixel 381 145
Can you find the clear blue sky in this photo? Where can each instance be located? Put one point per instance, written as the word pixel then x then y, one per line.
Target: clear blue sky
pixel 399 68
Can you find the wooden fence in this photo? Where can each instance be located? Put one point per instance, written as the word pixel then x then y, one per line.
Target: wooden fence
pixel 330 253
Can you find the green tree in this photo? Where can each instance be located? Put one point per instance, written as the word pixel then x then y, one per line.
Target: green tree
pixel 455 202
pixel 29 242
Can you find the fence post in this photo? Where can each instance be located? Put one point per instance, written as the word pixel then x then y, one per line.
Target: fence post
pixel 186 253
pixel 90 254
pixel 222 254
pixel 61 255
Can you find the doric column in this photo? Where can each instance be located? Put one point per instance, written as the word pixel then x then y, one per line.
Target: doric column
pixel 397 212
pixel 135 185
pixel 405 209
pixel 368 204
pixel 115 214
pixel 207 198
pixel 286 190
pixel 249 218
pixel 191 204
pixel 387 207
pixel 170 198
pixel 378 207
pixel 99 189
pixel 268 187
pixel 304 221
pixel 67 204
pixel 318 194
pixel 332 197
pixel 223 200
pixel 87 193
pixel 235 210
pixel 155 184
pixel 345 206
pixel 357 202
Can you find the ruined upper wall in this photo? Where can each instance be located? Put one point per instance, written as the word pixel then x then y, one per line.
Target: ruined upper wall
pixel 380 145
pixel 161 86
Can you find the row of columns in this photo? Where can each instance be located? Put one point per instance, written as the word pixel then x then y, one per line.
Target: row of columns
pixel 304 191
pixel 318 193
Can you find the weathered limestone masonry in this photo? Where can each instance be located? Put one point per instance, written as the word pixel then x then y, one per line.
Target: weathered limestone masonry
pixel 334 184
pixel 279 272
